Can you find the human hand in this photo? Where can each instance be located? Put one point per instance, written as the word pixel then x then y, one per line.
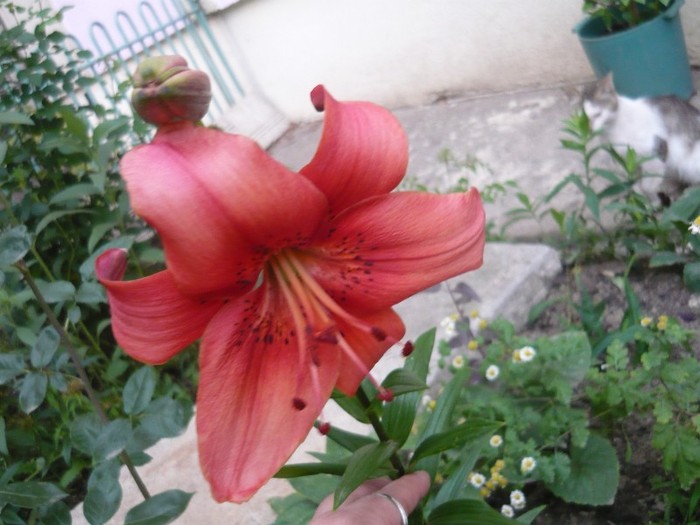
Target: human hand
pixel 369 504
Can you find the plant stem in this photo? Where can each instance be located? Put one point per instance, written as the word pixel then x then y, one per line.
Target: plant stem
pixel 382 434
pixel 75 358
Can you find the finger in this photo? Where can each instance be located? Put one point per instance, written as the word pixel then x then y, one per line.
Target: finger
pixel 368 487
pixel 408 490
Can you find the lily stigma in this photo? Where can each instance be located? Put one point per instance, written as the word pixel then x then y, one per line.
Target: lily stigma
pixel 287 279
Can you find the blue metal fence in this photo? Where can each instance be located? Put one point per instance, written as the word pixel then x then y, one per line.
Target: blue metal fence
pixel 178 27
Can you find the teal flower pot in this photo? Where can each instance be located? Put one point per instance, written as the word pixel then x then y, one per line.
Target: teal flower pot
pixel 646 60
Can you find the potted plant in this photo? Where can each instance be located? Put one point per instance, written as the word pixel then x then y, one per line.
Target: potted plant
pixel 641 42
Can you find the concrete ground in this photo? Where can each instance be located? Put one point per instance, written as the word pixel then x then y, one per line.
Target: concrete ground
pixel 511 136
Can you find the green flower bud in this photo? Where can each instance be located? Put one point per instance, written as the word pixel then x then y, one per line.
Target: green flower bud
pixel 167 91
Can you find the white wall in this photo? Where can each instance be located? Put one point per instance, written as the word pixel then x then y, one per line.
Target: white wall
pixel 404 52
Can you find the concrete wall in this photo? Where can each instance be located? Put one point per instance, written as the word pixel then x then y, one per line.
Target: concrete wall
pixel 407 52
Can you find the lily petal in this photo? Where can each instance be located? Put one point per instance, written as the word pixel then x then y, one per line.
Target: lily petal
pixel 366 347
pixel 219 203
pixel 151 320
pixel 388 248
pixel 363 151
pixel 249 376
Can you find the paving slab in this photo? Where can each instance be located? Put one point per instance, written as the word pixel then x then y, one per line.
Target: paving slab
pixel 513 136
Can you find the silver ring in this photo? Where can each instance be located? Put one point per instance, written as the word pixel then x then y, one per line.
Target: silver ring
pixel 397 504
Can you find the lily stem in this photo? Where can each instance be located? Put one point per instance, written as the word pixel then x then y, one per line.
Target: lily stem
pixel 378 427
pixel 75 358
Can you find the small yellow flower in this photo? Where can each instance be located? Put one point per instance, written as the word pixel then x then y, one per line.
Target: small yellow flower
pixel 432 404
pixel 499 465
pixel 516 356
pixel 496 441
pixel 646 321
pixel 501 480
pixel 483 323
pixel 458 362
pixel 492 372
pixel 662 324
pixel 490 484
pixel 485 493
pixel 438 478
pixel 473 344
pixel 527 465
pixel 695 226
pixel 474 314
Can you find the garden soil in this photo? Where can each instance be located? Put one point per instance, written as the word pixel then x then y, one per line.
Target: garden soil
pixel 660 292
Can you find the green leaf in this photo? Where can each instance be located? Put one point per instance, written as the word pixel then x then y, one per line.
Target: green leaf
pixel 399 415
pixel 160 509
pixel 44 348
pixel 666 259
pixel 104 494
pixel 470 432
pixel 594 476
pixel 309 469
pixel 3 438
pixel 15 117
pixel 11 365
pixel 90 293
pixel 349 440
pixel 56 291
pixel 466 512
pixel 76 191
pixel 50 217
pixel 30 494
pixel 32 392
pixel 294 509
pixel 112 439
pixel 402 382
pixel 691 276
pixel 55 514
pixel 14 244
pixel 454 485
pixel 138 390
pixel 85 431
pixel 529 516
pixel 362 465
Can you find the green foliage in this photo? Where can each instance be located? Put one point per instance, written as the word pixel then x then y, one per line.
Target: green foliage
pixel 61 203
pixel 618 15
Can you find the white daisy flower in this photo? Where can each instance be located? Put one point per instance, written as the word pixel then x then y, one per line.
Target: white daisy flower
pixel 458 362
pixel 496 441
pixel 527 353
pixel 507 511
pixel 695 226
pixel 492 372
pixel 527 465
pixel 517 499
pixel 449 325
pixel 476 479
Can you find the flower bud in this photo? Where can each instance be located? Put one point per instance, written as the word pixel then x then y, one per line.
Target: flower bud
pixel 167 91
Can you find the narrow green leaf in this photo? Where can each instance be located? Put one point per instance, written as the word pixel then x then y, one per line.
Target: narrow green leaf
pixel 403 381
pixel 399 415
pixel 30 494
pixel 44 348
pixel 454 485
pixel 309 469
pixel 54 215
pixel 32 392
pixel 529 516
pixel 160 509
pixel 467 512
pixel 14 244
pixel 76 191
pixel 362 465
pixel 15 117
pixel 3 438
pixel 138 390
pixel 469 432
pixel 349 440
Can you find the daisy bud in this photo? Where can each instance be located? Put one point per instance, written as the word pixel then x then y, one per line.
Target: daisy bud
pixel 167 91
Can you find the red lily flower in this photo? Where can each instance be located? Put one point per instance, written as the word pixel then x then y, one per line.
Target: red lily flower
pixel 289 279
